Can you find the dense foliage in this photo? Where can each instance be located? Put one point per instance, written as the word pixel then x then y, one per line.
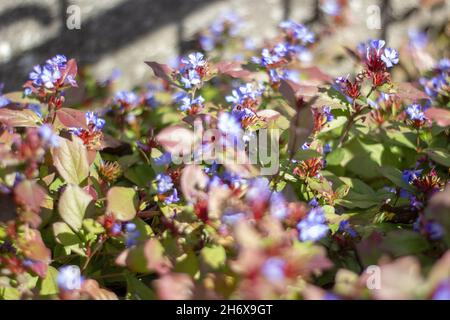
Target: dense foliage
pixel 94 205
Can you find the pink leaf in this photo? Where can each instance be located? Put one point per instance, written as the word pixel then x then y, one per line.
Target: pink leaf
pixel 70 70
pixel 30 194
pixel 233 69
pixel 176 140
pixel 71 118
pixel 440 116
pixel 316 74
pixel 268 114
pixel 162 71
pixel 406 91
pixel 193 179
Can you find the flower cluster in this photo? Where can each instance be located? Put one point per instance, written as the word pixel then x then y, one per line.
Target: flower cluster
pixel 173 199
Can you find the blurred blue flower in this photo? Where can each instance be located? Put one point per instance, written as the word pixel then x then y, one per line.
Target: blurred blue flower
pixel 344 226
pixel 273 269
pixel 313 227
pixel 47 136
pixel 164 183
pixel 69 278
pixel 229 125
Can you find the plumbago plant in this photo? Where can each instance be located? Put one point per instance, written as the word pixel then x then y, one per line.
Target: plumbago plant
pixel 97 204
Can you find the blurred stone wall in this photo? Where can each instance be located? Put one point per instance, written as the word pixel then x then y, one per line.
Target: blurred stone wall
pixel 121 34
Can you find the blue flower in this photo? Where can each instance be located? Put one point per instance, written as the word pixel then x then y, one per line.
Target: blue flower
pixel 418 39
pixel 164 159
pixel 259 190
pixel 126 98
pixel 434 230
pixel 344 226
pixel 410 175
pixel 172 198
pixel 69 278
pixel 415 112
pixel 93 120
pixel 443 64
pixel 36 109
pixel 164 183
pixel 4 101
pixel 278 206
pixel 130 227
pixel 377 45
pixel 442 291
pixel 58 61
pixel 207 42
pixel 327 148
pixel 314 202
pixel 331 7
pixel 305 146
pixel 35 75
pixel 47 136
pixel 243 93
pixel 131 235
pixel 299 31
pixel 49 76
pixel 229 125
pixel 194 60
pixel 186 102
pixel 327 111
pixel 273 269
pixel 313 227
pixel 116 228
pixel 190 79
pixel 390 57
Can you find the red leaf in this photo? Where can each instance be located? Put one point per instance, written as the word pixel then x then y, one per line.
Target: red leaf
pixel 441 116
pixel 316 74
pixel 193 179
pixel 287 89
pixel 406 91
pixel 71 118
pixel 176 140
pixel 162 71
pixel 70 70
pixel 233 69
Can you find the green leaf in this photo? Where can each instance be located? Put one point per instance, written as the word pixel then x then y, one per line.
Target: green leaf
pixel 188 263
pixel 214 256
pixel 404 242
pixel 140 175
pixel 137 290
pixel 122 203
pixel 306 154
pixel 439 155
pixel 71 160
pixel 148 257
pixel 335 157
pixel 48 285
pixel 73 205
pixel 93 226
pixel 64 235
